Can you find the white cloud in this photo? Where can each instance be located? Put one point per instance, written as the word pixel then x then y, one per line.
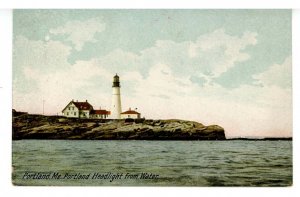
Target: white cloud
pixel 80 32
pixel 277 74
pixel 132 76
pixel 220 50
pixel 119 60
pixel 208 57
pixel 219 38
pixel 50 55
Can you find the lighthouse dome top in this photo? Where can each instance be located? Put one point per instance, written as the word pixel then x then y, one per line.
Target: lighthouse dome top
pixel 116 77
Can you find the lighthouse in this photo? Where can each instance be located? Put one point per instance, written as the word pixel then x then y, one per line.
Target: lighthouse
pixel 116 108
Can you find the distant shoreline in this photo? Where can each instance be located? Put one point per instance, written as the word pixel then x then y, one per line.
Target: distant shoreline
pixel 235 139
pixel 263 139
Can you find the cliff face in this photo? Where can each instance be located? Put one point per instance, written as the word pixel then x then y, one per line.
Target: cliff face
pixel 54 127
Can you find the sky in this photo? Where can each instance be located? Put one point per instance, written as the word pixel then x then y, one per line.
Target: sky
pixel 227 67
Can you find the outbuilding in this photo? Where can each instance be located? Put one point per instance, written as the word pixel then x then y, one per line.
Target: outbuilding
pixel 130 114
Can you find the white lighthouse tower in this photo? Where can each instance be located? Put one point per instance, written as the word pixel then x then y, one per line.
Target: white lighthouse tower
pixel 116 108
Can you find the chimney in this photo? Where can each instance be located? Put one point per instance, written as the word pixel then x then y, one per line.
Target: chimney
pixel 85 100
pixel 129 108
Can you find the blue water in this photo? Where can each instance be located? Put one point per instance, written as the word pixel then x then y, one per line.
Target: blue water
pixel 174 163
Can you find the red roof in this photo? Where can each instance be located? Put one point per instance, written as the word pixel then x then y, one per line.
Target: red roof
pixel 130 112
pixel 83 105
pixel 101 111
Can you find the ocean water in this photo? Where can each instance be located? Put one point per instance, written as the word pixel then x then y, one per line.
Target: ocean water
pixel 152 163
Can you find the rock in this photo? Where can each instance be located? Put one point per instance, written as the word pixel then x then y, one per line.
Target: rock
pixel 28 126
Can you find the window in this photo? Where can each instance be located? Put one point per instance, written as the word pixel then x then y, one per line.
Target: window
pixel 128 116
pixel 69 108
pixel 75 113
pixel 67 113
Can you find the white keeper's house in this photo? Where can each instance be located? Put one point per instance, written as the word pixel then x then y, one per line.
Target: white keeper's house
pixel 86 110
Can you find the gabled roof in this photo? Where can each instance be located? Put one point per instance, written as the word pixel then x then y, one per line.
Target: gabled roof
pixel 100 112
pixel 80 105
pixel 130 112
pixel 83 105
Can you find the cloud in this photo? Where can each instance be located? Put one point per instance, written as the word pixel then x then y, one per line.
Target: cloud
pixel 48 56
pixel 80 32
pixel 218 51
pixel 207 57
pixel 118 61
pixel 219 38
pixel 277 75
pixel 31 56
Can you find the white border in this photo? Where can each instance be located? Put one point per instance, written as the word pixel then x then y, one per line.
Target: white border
pixel 5 97
pixel 296 95
pixel 5 120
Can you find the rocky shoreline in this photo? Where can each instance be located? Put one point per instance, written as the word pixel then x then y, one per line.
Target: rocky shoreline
pixel 29 126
